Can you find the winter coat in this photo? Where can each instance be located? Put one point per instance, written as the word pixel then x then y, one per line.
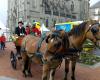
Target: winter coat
pixel 19 31
pixel 2 39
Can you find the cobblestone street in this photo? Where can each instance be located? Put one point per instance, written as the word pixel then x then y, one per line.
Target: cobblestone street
pixel 82 72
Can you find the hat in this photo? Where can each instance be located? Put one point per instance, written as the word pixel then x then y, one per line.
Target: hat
pixel 33 22
pixel 20 22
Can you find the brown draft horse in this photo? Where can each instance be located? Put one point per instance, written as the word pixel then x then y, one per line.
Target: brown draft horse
pixel 77 36
pixel 29 45
pixel 29 53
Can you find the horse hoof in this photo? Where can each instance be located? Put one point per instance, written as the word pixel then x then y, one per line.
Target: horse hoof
pixel 73 78
pixel 41 64
pixel 30 75
pixel 65 79
pixel 19 58
pixel 24 74
pixel 14 64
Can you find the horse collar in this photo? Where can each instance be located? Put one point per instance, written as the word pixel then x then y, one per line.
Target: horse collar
pixel 72 50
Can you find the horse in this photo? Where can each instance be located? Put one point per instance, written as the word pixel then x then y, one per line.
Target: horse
pixel 54 55
pixel 29 53
pixel 78 35
pixel 57 45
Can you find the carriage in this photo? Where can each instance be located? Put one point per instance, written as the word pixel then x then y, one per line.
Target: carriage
pixel 17 40
pixel 15 56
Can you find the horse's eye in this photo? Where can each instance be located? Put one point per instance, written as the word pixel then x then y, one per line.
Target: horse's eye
pixel 94 30
pixel 58 45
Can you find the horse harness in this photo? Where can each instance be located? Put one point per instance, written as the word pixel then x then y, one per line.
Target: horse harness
pixel 70 51
pixel 94 30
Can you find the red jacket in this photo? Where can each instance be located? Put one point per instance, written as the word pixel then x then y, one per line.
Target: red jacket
pixel 2 39
pixel 35 30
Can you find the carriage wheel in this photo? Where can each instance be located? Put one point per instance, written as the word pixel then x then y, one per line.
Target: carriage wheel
pixel 13 60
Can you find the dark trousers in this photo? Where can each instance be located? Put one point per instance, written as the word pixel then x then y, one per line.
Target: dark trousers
pixel 18 48
pixel 2 45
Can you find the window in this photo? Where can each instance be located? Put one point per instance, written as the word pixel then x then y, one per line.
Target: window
pixel 72 6
pixel 28 2
pixel 34 3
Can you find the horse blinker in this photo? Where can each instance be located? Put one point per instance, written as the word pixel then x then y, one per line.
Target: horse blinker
pixel 94 30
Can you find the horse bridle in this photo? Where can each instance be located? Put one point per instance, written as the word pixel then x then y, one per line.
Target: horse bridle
pixel 94 32
pixel 55 35
pixel 91 26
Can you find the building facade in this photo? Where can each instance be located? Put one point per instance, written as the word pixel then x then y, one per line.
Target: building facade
pixel 95 11
pixel 51 11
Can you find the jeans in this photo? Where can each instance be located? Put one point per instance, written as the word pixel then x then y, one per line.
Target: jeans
pixel 2 45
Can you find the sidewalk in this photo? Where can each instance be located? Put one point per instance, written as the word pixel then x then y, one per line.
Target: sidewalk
pixel 6 78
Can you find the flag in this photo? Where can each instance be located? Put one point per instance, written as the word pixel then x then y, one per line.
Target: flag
pixel 43 28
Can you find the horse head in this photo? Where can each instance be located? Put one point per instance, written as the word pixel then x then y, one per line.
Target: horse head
pixel 86 30
pixel 57 41
pixel 93 32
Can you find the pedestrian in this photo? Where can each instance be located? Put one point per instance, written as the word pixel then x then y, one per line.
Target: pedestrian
pixel 3 40
pixel 20 30
pixel 36 31
pixel 27 30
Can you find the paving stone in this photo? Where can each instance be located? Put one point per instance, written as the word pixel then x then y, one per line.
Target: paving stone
pixel 6 78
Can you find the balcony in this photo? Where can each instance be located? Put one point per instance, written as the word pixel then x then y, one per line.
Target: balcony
pixel 47 12
pixel 55 13
pixel 67 0
pixel 62 14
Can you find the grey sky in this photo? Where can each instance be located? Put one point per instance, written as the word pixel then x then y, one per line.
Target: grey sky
pixel 93 2
pixel 3 11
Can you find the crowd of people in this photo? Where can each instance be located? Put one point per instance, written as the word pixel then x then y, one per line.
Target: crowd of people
pixel 21 30
pixel 25 30
pixel 36 29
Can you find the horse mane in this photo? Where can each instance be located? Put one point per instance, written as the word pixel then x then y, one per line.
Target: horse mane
pixel 56 33
pixel 78 30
